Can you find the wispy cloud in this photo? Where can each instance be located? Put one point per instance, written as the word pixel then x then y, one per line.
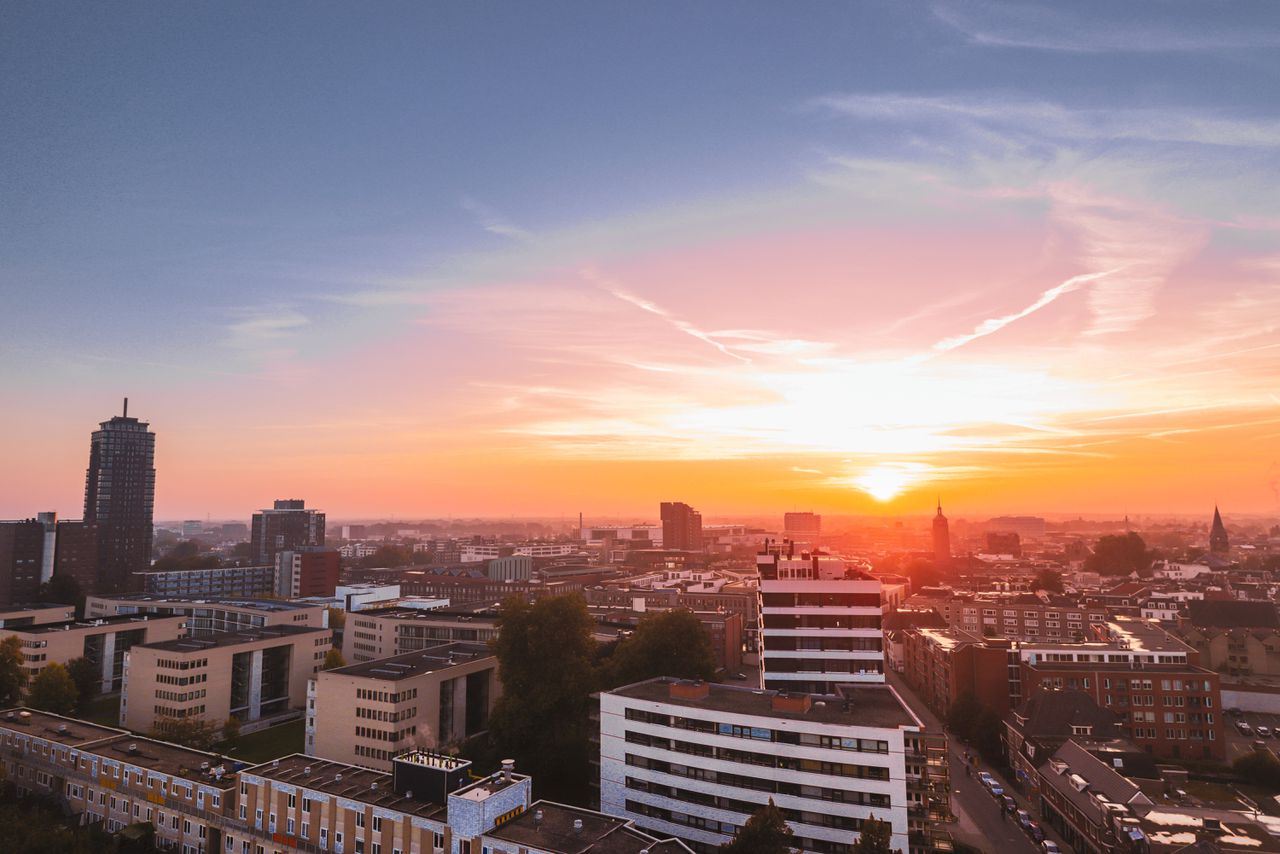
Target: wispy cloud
pixel 264 327
pixel 493 222
pixel 995 324
pixel 1070 28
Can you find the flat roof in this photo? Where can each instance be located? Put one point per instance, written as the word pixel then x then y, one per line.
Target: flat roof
pixel 237 602
pixel 55 728
pixel 222 639
pixel 868 705
pixel 549 826
pixel 356 783
pixel 98 622
pixel 401 612
pixel 440 657
pixel 32 606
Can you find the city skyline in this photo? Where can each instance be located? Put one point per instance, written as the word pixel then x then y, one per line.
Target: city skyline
pixel 744 258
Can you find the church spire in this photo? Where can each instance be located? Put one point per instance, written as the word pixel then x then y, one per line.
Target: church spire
pixel 1218 540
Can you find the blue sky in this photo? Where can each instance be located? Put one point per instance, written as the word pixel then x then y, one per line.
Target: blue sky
pixel 197 193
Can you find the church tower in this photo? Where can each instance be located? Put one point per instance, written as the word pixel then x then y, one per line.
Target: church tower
pixel 1218 542
pixel 941 537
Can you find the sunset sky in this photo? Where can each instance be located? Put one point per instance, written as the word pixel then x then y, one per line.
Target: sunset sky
pixel 519 258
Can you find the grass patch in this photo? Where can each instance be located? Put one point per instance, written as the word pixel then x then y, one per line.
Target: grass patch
pixel 271 743
pixel 103 710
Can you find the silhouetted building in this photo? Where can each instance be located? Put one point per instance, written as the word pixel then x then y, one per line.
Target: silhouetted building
pixel 1004 543
pixel 1218 542
pixel 119 496
pixel 681 526
pixel 288 526
pixel 76 553
pixel 802 528
pixel 941 537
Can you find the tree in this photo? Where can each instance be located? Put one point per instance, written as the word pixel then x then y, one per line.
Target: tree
pixel 231 731
pixel 63 589
pixel 875 837
pixel 333 659
pixel 389 556
pixel 670 643
pixel 988 735
pixel 1047 579
pixel 189 732
pixel 962 717
pixel 766 832
pixel 87 677
pixel 188 554
pixel 544 654
pixel 13 676
pixel 337 618
pixel 53 690
pixel 1259 767
pixel 1120 554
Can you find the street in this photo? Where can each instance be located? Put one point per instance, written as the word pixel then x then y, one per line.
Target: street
pixel 978 814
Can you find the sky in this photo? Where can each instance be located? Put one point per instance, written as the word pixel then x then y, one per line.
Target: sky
pixel 435 258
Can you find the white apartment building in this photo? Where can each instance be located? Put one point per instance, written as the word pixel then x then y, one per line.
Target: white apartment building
pixel 694 760
pixel 482 553
pixel 820 623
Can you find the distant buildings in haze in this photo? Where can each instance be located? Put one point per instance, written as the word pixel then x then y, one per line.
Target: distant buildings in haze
pixel 288 526
pixel 681 526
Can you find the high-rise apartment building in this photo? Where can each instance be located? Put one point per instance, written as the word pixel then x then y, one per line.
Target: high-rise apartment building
pixel 119 496
pixel 820 623
pixel 681 526
pixel 288 526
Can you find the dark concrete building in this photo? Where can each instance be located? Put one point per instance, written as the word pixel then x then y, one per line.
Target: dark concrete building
pixel 22 547
pixel 681 526
pixel 288 526
pixel 119 496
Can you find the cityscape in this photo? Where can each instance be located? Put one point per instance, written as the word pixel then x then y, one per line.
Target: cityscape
pixel 581 428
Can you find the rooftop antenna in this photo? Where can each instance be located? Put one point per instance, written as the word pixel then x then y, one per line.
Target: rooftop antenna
pixel 126 407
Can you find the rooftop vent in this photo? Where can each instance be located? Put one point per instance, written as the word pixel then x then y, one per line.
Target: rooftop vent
pixel 337 778
pixel 133 747
pixel 306 772
pixel 62 728
pixel 537 818
pixel 686 690
pixel 577 825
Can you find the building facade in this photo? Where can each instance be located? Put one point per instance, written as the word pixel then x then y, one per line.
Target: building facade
pixel 119 498
pixel 386 632
pixel 205 617
pixel 287 526
pixel 105 642
pixel 310 572
pixel 696 760
pixel 366 714
pixel 220 582
pixel 246 675
pixel 681 526
pixel 820 623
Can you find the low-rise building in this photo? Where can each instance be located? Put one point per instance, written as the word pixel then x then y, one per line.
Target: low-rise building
pixel 205 616
pixel 366 714
pixel 212 583
pixel 247 675
pixel 384 632
pixel 307 572
pixel 103 641
pixel 35 614
pixel 696 760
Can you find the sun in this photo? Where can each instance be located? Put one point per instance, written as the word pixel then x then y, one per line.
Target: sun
pixel 888 480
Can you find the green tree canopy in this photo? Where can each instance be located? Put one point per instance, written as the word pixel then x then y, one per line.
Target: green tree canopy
pixel 766 832
pixel 1259 767
pixel 63 589
pixel 1047 579
pixel 544 656
pixel 87 677
pixel 669 643
pixel 13 677
pixel 189 732
pixel 875 837
pixel 53 690
pixel 388 556
pixel 1120 554
pixel 333 659
pixel 231 731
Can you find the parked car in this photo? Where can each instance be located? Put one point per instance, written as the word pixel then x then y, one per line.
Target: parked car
pixel 986 778
pixel 1263 731
pixel 996 791
pixel 1050 847
pixel 1010 805
pixel 1035 832
pixel 1244 727
pixel 1024 819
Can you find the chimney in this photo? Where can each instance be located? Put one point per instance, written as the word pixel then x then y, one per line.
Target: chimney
pixel 686 690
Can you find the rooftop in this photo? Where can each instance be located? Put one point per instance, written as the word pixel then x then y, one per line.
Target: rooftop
pixel 549 826
pixel 396 612
pixel 55 728
pixel 859 705
pixel 346 781
pixel 224 639
pixel 429 660
pixel 115 621
pixel 143 599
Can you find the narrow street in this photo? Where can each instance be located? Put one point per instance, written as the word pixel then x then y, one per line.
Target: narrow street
pixel 979 822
